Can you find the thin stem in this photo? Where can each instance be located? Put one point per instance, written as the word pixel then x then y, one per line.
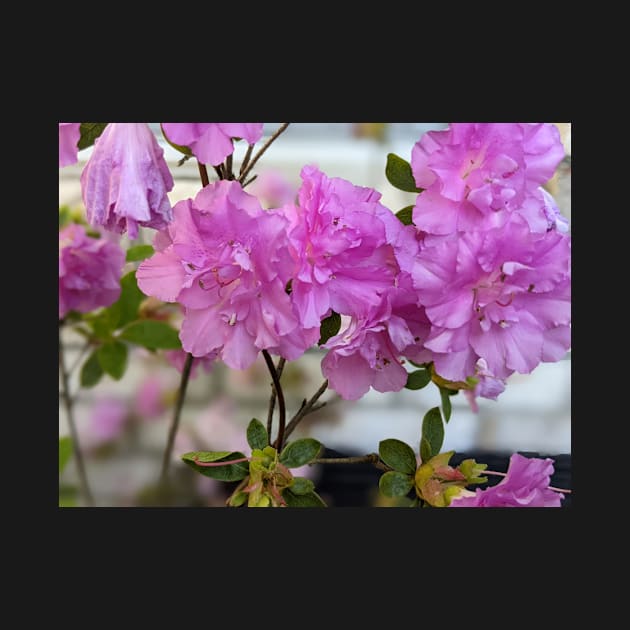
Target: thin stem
pixel 203 173
pixel 73 367
pixel 500 474
pixel 181 394
pixel 217 170
pixel 258 155
pixel 245 162
pixel 272 398
pixel 76 446
pixel 249 181
pixel 280 395
pixel 228 168
pixel 305 409
pixel 371 458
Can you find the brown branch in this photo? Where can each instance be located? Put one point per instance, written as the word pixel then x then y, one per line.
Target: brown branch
pixel 258 155
pixel 280 395
pixel 245 162
pixel 272 398
pixel 372 458
pixel 304 410
pixel 203 173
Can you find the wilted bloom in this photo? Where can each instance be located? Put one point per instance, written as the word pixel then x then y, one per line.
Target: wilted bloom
pixel 211 143
pixel 476 174
pixel 503 295
pixel 107 421
pixel 89 271
pixel 69 135
pixel 226 261
pixel 526 485
pixel 126 180
pixel 177 358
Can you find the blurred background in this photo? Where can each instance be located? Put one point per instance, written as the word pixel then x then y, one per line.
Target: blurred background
pixel 123 424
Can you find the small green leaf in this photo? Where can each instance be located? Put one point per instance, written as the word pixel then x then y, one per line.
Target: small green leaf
pixel 68 496
pixel 229 472
pixel 445 395
pixel 300 452
pixel 432 434
pixel 395 484
pixel 89 133
pixel 329 327
pixel 91 371
pixel 310 499
pixel 302 485
pixel 418 379
pixel 113 359
pixel 399 175
pixel 65 450
pixel 151 334
pixel 102 324
pixel 238 499
pixel 64 216
pixel 397 455
pixel 257 434
pixel 125 309
pixel 405 215
pixel 139 252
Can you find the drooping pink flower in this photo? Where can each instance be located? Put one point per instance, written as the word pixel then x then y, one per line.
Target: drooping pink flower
pixel 126 180
pixel 340 248
pixel 526 485
pixel 476 174
pixel 226 261
pixel 211 143
pixel 89 271
pixel 503 295
pixel 69 135
pixel 177 358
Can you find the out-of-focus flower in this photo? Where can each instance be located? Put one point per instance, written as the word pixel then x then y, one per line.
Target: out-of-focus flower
pixel 69 135
pixel 487 385
pixel 273 189
pixel 211 143
pixel 89 271
pixel 149 402
pixel 126 180
pixel 107 421
pixel 526 485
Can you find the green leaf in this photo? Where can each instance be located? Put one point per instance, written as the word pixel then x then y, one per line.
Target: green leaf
pixel 229 472
pixel 113 358
pixel 310 499
pixel 257 434
pixel 64 216
pixel 395 484
pixel 329 327
pixel 418 379
pixel 405 215
pixel 398 455
pixel 445 395
pixel 432 434
pixel 65 450
pixel 300 452
pixel 399 175
pixel 302 485
pixel 151 334
pixel 102 324
pixel 89 133
pixel 125 309
pixel 68 496
pixel 91 371
pixel 177 147
pixel 139 252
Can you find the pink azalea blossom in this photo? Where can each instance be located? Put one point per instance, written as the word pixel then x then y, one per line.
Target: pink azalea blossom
pixel 273 189
pixel 126 180
pixel 503 295
pixel 211 143
pixel 487 386
pixel 149 399
pixel 69 135
pixel 226 261
pixel 89 271
pixel 177 358
pixel 526 485
pixel 340 248
pixel 476 174
pixel 107 421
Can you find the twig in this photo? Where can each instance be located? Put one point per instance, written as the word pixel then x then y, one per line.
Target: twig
pixel 272 398
pixel 203 173
pixel 228 168
pixel 258 155
pixel 73 367
pixel 371 458
pixel 280 395
pixel 245 162
pixel 305 409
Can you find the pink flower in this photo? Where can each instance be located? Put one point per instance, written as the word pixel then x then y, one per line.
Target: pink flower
pixel 503 295
pixel 149 400
pixel 226 261
pixel 211 143
pixel 126 180
pixel 89 271
pixel 526 485
pixel 107 421
pixel 338 237
pixel 273 189
pixel 69 135
pixel 476 174
pixel 177 358
pixel 487 387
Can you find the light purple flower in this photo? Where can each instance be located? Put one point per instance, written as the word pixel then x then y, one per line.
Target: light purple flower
pixel 211 143
pixel 503 295
pixel 89 271
pixel 273 189
pixel 149 399
pixel 107 421
pixel 226 261
pixel 177 358
pixel 476 174
pixel 526 485
pixel 487 386
pixel 126 180
pixel 69 135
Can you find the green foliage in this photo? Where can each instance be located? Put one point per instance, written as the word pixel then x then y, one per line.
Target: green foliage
pixel 418 379
pixel 257 437
pixel 89 133
pixel 139 252
pixel 310 499
pixel 300 452
pixel 91 371
pixel 125 309
pixel 399 175
pixel 397 455
pixel 445 396
pixel 152 335
pixel 432 434
pixel 395 484
pixel 68 496
pixel 329 327
pixel 113 358
pixel 229 472
pixel 405 215
pixel 65 451
pixel 302 485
